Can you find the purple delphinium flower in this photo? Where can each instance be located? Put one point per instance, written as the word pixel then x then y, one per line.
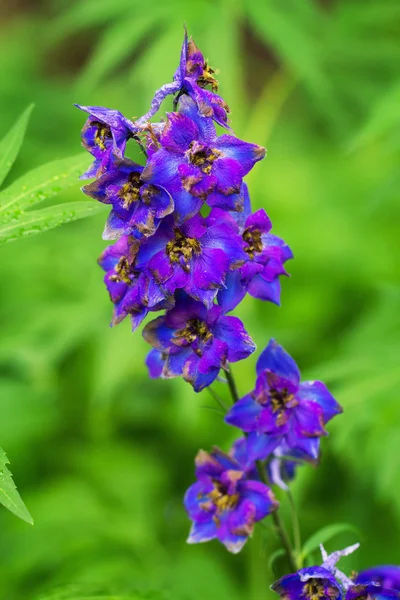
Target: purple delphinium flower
pixel 281 409
pixel 311 583
pixel 105 132
pixel 196 166
pixel 371 591
pixel 195 257
pixel 192 77
pixel 131 291
pixel 388 576
pixel 197 342
pixel 265 253
pixel 137 207
pixel 223 503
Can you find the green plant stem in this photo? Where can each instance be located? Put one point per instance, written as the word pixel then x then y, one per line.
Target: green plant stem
pixel 279 526
pixel 217 399
pixel 232 385
pixel 296 529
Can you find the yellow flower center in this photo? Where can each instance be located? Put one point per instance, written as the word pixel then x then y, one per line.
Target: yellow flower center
pixel 130 191
pixel 182 247
pixel 252 237
pixel 103 132
pixel 195 329
pixel 122 271
pixel 203 157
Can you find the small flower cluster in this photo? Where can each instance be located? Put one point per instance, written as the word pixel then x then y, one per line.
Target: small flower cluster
pixel 283 420
pixel 186 242
pixel 185 238
pixel 328 583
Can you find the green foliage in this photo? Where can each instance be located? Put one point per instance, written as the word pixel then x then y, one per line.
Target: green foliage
pixel 11 143
pixel 9 496
pixel 37 186
pixel 325 534
pixel 102 453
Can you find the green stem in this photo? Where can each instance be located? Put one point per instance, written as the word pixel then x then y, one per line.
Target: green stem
pixel 232 385
pixel 296 528
pixel 217 399
pixel 279 526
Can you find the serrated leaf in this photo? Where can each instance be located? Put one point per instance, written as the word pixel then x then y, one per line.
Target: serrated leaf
pixel 40 184
pixel 324 535
pixel 39 221
pixel 11 143
pixel 9 496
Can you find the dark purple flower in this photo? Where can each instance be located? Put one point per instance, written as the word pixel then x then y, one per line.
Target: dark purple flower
pixel 223 503
pixel 105 132
pixel 281 409
pixel 371 591
pixel 137 207
pixel 195 165
pixel 131 291
pixel 388 576
pixel 195 256
pixel 193 77
pixel 312 583
pixel 266 255
pixel 197 342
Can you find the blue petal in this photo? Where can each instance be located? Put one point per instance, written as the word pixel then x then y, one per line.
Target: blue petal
pixel 233 293
pixel 244 414
pixel 260 446
pixel 202 532
pixel 316 391
pixel 277 360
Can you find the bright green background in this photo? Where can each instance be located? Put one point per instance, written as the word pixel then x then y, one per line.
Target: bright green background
pixel 101 454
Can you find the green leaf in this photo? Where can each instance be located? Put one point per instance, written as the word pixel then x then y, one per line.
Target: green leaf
pixel 38 221
pixel 324 535
pixel 40 184
pixel 9 496
pixel 11 143
pixel 274 557
pixel 117 44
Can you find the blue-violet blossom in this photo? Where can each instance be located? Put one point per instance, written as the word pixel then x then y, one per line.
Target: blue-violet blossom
pixel 105 133
pixel 137 207
pixel 192 77
pixel 131 291
pixel 195 256
pixel 196 166
pixel 224 503
pixel 195 342
pixel 281 409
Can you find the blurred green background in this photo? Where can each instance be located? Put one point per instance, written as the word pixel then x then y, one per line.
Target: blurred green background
pixel 101 454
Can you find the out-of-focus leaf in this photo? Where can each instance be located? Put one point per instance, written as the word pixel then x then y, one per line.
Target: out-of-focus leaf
pixel 11 143
pixel 325 534
pixel 89 14
pixel 274 557
pixel 39 221
pixel 285 28
pixel 9 496
pixel 384 119
pixel 118 43
pixel 40 184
